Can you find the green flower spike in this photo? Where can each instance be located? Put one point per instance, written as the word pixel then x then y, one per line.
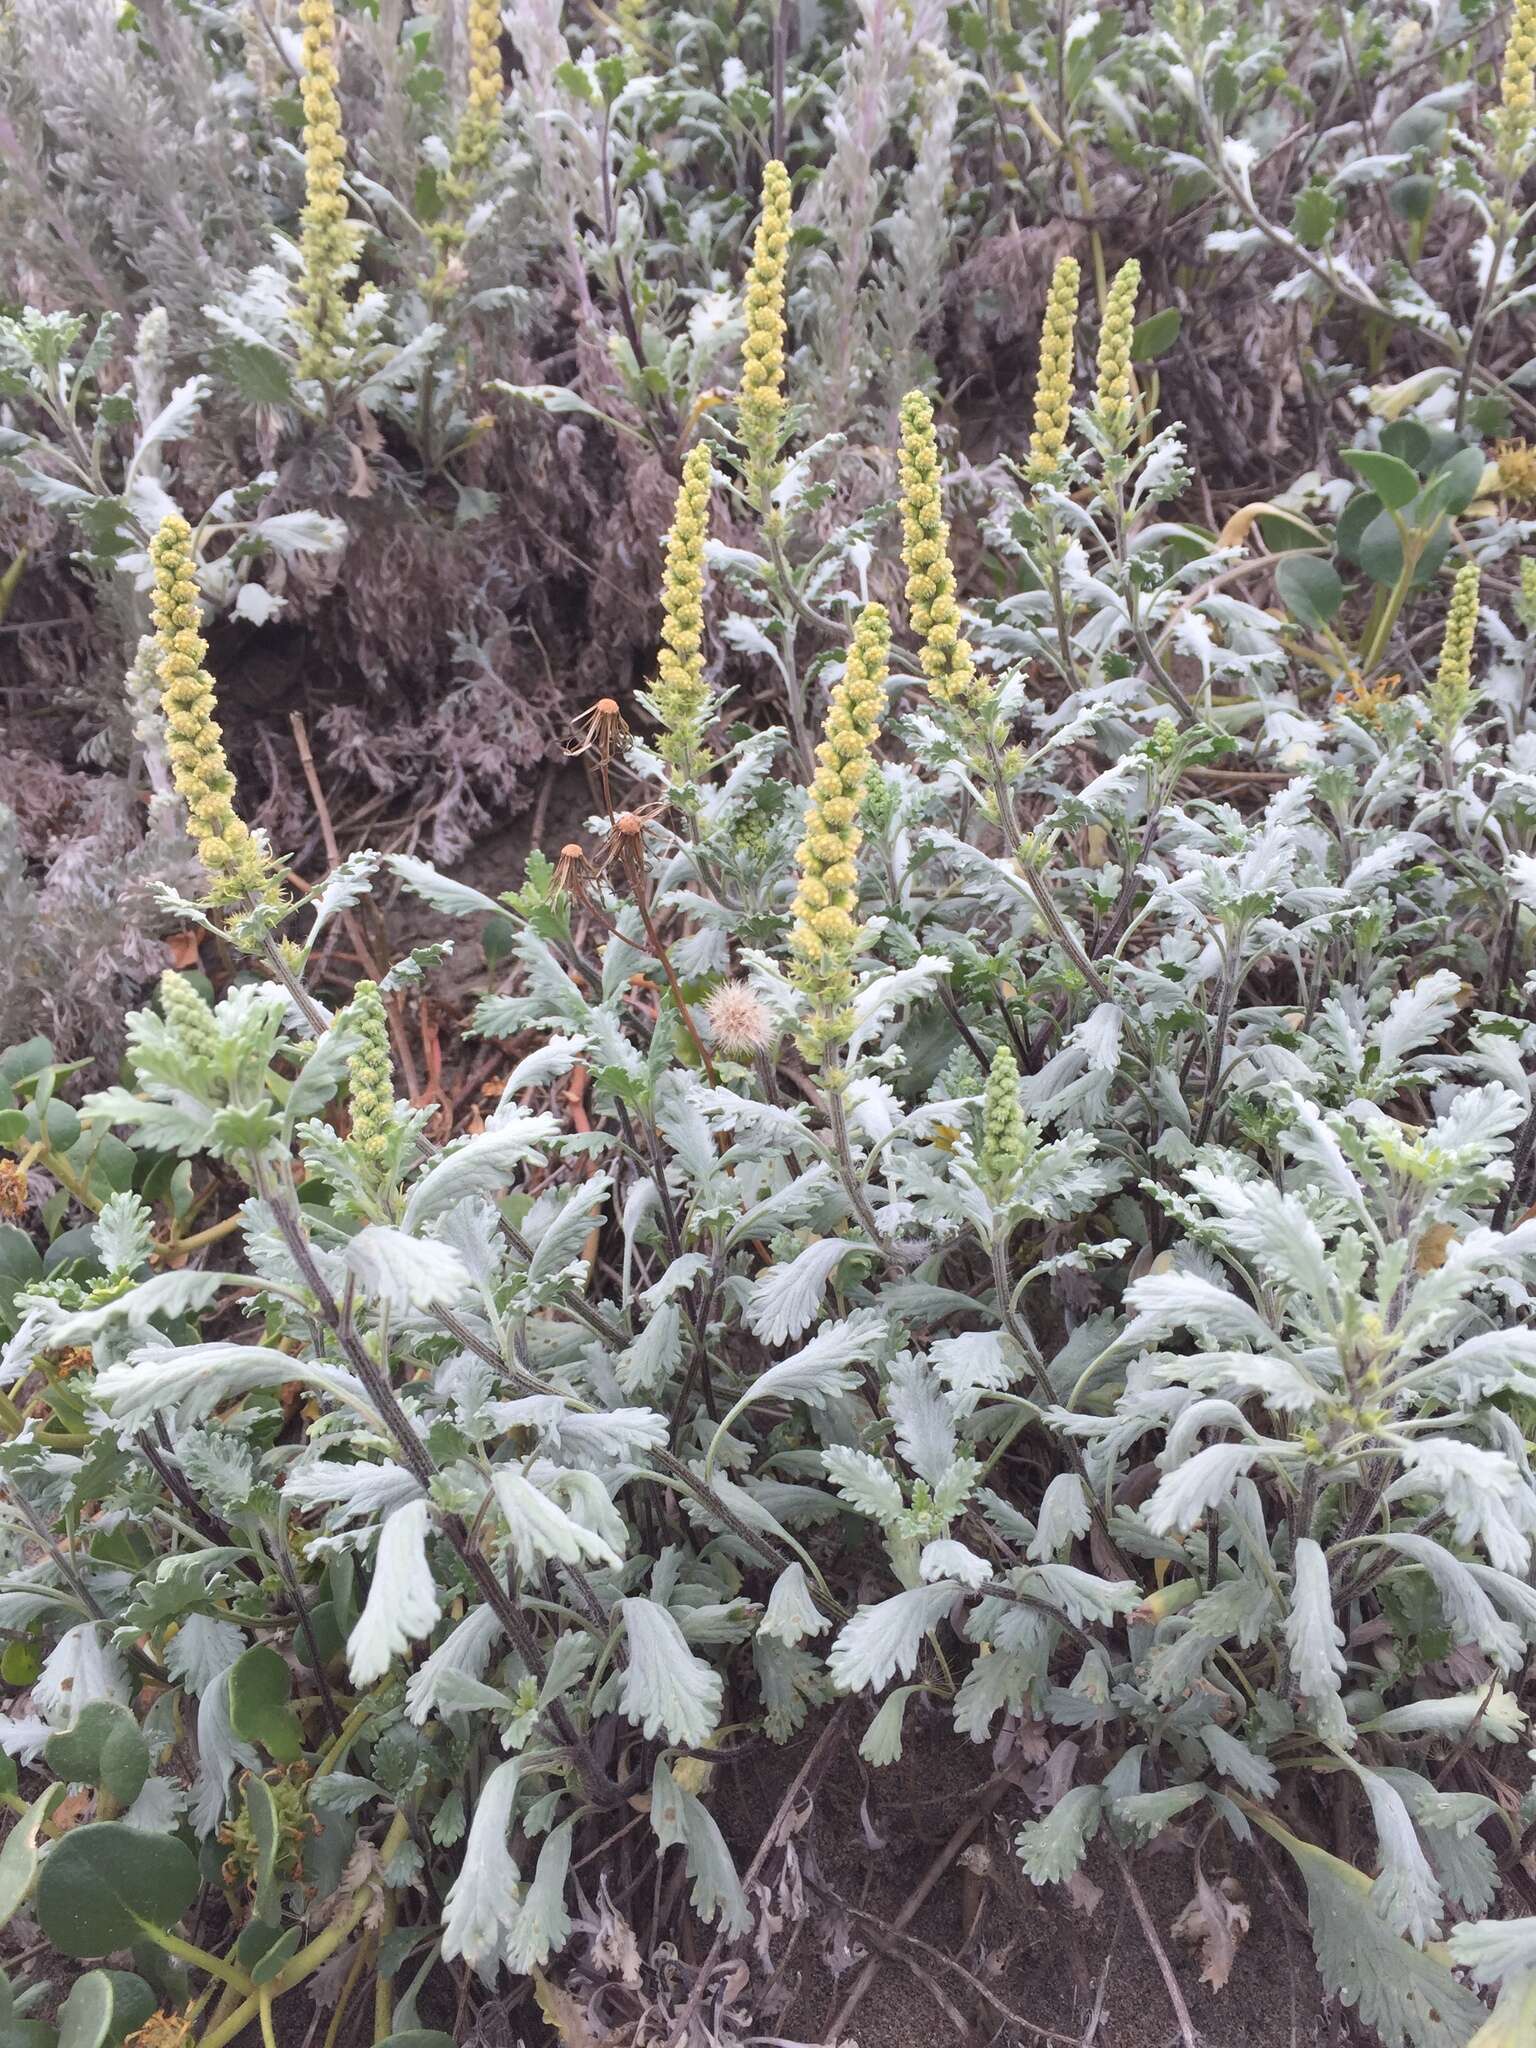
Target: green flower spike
pixel 945 656
pixel 188 1015
pixel 825 933
pixel 1112 399
pixel 233 857
pixel 1004 1140
pixel 327 239
pixel 1451 694
pixel 681 697
pixel 1053 391
pixel 760 407
pixel 370 1080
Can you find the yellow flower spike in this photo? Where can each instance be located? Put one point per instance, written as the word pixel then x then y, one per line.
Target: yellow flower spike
pixel 945 656
pixel 825 931
pixel 327 239
pixel 760 407
pixel 236 863
pixel 1053 391
pixel 1451 694
pixel 1112 398
pixel 1517 84
pixel 681 697
pixel 370 1079
pixel 480 124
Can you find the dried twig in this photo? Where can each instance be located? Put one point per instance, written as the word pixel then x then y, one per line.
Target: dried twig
pixel 985 1800
pixel 803 1779
pixel 1187 2032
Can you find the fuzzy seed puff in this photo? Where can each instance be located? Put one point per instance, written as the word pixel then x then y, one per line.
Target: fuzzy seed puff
pixel 738 1022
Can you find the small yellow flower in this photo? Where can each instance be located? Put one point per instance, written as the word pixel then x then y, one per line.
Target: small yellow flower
pixel 945 656
pixel 680 695
pixel 825 932
pixel 13 1190
pixel 760 407
pixel 1452 693
pixel 163 2030
pixel 1112 399
pixel 1515 462
pixel 1053 390
pixel 234 858
pixel 327 239
pixel 370 1080
pixel 1363 701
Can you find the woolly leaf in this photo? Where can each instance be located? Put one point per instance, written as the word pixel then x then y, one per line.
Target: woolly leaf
pixel 665 1688
pixel 679 1818
pixel 1052 1848
pixel 887 1637
pixel 1408 1995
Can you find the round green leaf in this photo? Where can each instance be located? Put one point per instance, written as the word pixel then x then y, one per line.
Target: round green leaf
pixel 1155 335
pixel 417 2037
pixel 18 1858
pixel 262 1949
pixel 104 1885
pixel 1309 589
pixel 1417 127
pixel 1413 197
pixel 103 1748
pixel 21 1062
pixel 20 1663
pixel 259 1687
pixel 103 2007
pixel 20 1260
pixel 1454 485
pixel 1392 481
pixel 1409 441
pixel 1381 550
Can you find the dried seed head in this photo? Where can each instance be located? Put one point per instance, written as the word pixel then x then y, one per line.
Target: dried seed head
pixel 601 731
pixel 572 869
